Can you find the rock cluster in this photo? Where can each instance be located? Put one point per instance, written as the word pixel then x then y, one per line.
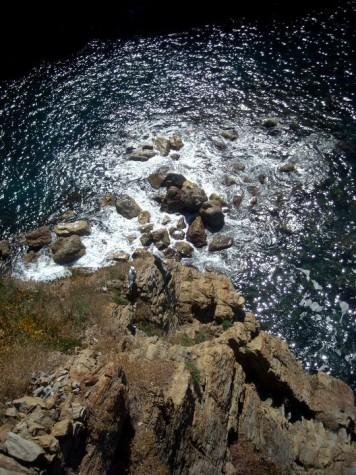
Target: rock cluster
pixel 207 397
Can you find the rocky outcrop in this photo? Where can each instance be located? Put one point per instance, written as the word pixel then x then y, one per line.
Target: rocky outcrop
pixel 38 238
pixel 191 386
pixel 127 207
pixel 80 227
pixel 67 250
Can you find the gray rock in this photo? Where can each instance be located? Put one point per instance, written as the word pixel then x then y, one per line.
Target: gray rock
pixel 196 233
pixel 38 238
pixel 80 227
pixel 218 243
pixel 175 156
pixel 287 168
pixel 238 167
pixel 229 180
pixel 181 224
pixel 67 250
pixel 9 466
pixel 161 238
pixel 176 142
pixel 127 207
pixel 177 233
pixel 22 449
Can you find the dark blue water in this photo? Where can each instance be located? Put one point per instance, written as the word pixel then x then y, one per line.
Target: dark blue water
pixel 64 129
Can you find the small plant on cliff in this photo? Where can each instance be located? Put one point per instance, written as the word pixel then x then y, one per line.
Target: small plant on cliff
pixel 120 299
pixel 195 373
pixel 226 324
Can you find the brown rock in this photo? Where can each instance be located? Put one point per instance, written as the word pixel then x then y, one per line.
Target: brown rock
pixel 184 249
pixel 141 155
pixel 237 200
pixel 127 207
pixel 176 142
pixel 81 228
pixel 218 243
pixel 212 215
pixel 229 180
pixel 144 217
pixel 163 145
pixel 62 429
pixel 5 249
pixel 38 238
pixel 107 200
pixel 157 178
pixel 196 233
pixel 67 250
pixel 161 238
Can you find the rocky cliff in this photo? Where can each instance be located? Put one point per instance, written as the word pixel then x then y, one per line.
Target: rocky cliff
pixel 186 383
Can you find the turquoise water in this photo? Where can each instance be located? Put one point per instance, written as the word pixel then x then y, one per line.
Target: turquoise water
pixel 64 129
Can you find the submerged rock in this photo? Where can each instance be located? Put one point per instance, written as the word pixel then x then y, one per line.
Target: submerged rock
pixel 287 167
pixel 81 228
pixel 270 122
pixel 230 134
pixel 5 249
pixel 229 180
pixel 218 243
pixel 237 200
pixel 127 207
pixel 68 249
pixel 176 142
pixel 163 145
pixel 108 199
pixel 38 238
pixel 196 233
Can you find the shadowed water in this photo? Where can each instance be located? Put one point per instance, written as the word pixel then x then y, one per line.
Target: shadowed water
pixel 64 130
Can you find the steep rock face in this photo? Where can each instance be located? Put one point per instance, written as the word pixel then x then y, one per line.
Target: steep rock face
pixel 200 398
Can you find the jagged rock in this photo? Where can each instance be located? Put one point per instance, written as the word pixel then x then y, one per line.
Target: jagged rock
pixel 22 449
pixel 212 215
pixel 181 224
pixel 146 228
pixel 161 238
pixel 184 249
pixel 188 198
pixel 146 239
pixel 48 442
pixel 29 403
pixel 217 199
pixel 141 155
pixel 67 250
pixel 165 219
pixel 62 428
pixel 262 178
pixel 127 207
pixel 144 217
pixel 80 227
pixel 175 156
pixel 287 168
pixel 270 122
pixel 176 142
pixel 230 134
pixel 218 243
pixel 163 145
pixel 38 238
pixel 69 214
pixel 196 233
pixel 237 200
pixel 5 249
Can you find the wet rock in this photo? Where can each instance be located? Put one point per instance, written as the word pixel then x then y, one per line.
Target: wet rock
pixel 5 249
pixel 157 178
pixel 80 227
pixel 174 200
pixel 178 234
pixel 144 217
pixel 176 142
pixel 219 144
pixel 181 224
pixel 238 167
pixel 67 250
pixel 173 179
pixel 147 147
pixel 214 197
pixel 146 239
pixel 68 215
pixel 38 238
pixel 287 168
pixel 163 145
pixel 107 200
pixel 212 215
pixel 22 449
pixel 161 238
pixel 175 156
pixel 218 243
pixel 184 249
pixel 253 202
pixel 146 228
pixel 237 200
pixel 229 180
pixel 270 122
pixel 141 155
pixel 196 233
pixel 193 196
pixel 262 178
pixel 127 207
pixel 230 134
pixel 165 220
pixel 252 189
pixel 9 466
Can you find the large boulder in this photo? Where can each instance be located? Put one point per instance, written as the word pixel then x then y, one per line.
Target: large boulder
pixel 196 233
pixel 22 449
pixel 127 207
pixel 189 197
pixel 212 215
pixel 67 250
pixel 38 238
pixel 157 178
pixel 174 179
pixel 80 227
pixel 5 249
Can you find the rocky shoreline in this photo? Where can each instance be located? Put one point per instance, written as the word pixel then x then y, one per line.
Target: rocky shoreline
pixel 186 383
